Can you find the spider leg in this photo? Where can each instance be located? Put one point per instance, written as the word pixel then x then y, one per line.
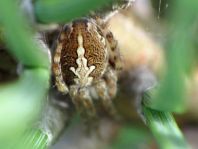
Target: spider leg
pixel 101 89
pixel 62 87
pixel 111 78
pixel 82 100
pixel 87 102
pixel 115 59
pixel 106 90
pixel 73 92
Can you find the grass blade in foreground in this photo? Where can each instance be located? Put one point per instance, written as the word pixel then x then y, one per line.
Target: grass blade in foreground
pixel 171 95
pixel 164 129
pixel 62 11
pixel 33 139
pixel 19 37
pixel 47 11
pixel 20 99
pixel 163 126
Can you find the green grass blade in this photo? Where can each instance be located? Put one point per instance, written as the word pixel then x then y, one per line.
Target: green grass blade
pixel 21 102
pixel 19 36
pixel 131 137
pixel 33 139
pixel 172 92
pixel 163 126
pixel 164 129
pixel 48 11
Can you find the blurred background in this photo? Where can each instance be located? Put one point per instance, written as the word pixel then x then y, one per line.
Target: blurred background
pixel 157 89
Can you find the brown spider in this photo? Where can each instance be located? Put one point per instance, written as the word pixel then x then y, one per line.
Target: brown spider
pixel 86 63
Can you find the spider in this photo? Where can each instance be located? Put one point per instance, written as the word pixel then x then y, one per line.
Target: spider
pixel 86 64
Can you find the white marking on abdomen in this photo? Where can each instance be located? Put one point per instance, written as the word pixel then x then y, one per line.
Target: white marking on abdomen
pixel 82 71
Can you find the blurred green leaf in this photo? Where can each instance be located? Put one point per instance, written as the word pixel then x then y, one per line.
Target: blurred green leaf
pixel 33 139
pixel 132 137
pixel 164 129
pixel 21 102
pixel 19 37
pixel 162 125
pixel 179 57
pixel 49 11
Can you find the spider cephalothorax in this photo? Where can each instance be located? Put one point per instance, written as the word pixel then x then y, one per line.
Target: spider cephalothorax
pixel 86 59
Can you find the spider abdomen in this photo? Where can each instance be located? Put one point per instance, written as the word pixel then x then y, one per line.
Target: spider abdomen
pixel 81 53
